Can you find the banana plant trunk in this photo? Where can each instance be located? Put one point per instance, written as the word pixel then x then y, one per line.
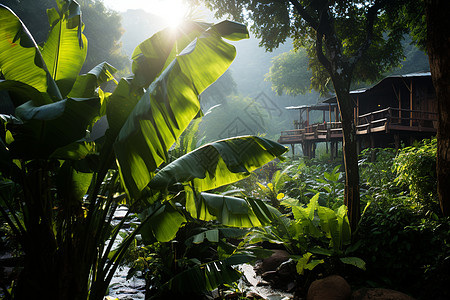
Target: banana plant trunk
pixel 51 269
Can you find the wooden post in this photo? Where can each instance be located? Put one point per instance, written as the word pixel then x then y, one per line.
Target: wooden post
pixel 332 150
pixel 399 106
pixel 293 150
pixel 336 149
pixel 357 111
pixel 301 119
pixel 307 116
pixel 411 104
pixel 397 141
pixel 372 146
pixel 329 112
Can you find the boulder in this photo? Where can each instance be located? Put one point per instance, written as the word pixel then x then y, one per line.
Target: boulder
pixel 273 262
pixel 333 287
pixel 379 294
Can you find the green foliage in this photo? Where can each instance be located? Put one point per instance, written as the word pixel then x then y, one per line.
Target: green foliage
pixel 315 236
pixel 273 22
pixel 103 29
pixel 377 179
pixel 405 250
pixel 289 73
pixel 415 167
pixel 198 260
pixel 59 195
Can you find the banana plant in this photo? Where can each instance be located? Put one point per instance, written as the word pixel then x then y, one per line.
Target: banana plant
pixel 73 152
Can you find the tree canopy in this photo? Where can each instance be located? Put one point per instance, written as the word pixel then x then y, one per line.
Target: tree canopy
pixel 289 73
pixel 273 22
pixel 345 40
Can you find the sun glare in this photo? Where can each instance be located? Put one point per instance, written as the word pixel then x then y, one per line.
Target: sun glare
pixel 173 12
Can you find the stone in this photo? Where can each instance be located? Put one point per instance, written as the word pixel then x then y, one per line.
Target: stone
pixel 253 295
pixel 333 287
pixel 273 262
pixel 379 294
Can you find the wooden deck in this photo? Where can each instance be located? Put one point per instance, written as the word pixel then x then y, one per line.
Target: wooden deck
pixel 388 120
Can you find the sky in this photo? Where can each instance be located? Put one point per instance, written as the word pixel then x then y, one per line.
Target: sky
pixel 171 10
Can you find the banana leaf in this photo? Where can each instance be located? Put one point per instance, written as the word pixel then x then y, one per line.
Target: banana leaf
pixel 163 225
pixel 206 277
pixel 20 58
pixel 49 127
pixel 229 211
pixel 167 107
pixel 153 55
pixel 86 84
pixel 218 163
pixel 65 50
pixel 23 92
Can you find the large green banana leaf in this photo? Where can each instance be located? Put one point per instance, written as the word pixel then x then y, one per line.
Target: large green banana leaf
pixel 163 225
pixel 51 126
pixel 86 84
pixel 22 92
pixel 214 165
pixel 218 163
pixel 229 211
pixel 167 107
pixel 153 56
pixel 65 50
pixel 20 58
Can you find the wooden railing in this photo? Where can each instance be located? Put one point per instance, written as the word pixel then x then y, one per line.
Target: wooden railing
pixel 382 120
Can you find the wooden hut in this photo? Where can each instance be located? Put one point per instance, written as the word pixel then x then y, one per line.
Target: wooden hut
pixel 396 110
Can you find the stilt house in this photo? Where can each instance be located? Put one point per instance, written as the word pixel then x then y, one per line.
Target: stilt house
pixel 398 109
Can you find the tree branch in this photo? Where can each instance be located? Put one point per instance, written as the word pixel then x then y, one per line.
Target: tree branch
pixel 370 21
pixel 305 15
pixel 323 30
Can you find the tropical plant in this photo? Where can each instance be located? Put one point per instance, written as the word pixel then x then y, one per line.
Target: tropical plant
pixel 316 235
pixel 386 233
pixel 415 167
pixel 273 190
pixel 377 177
pixel 331 186
pixel 59 154
pixel 199 259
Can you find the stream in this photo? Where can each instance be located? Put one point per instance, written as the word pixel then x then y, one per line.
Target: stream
pixel 134 288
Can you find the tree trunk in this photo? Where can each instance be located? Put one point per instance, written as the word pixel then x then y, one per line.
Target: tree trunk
pixel 349 149
pixel 438 46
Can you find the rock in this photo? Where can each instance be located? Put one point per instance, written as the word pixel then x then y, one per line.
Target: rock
pixel 333 287
pixel 273 262
pixel 379 294
pixel 253 295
